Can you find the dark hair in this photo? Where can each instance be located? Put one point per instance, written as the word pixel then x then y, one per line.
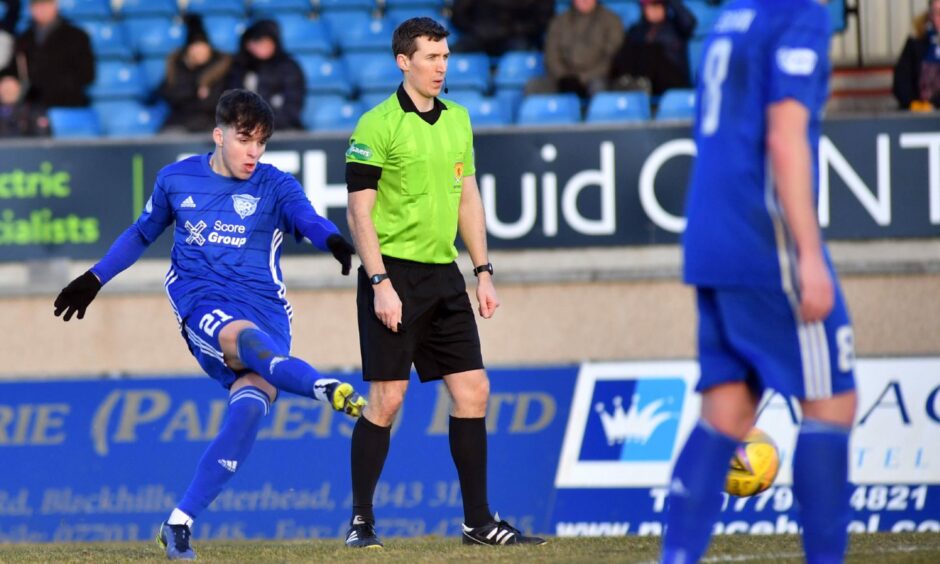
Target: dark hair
pixel 403 40
pixel 246 111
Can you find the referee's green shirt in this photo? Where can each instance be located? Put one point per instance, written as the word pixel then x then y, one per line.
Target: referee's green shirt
pixel 423 161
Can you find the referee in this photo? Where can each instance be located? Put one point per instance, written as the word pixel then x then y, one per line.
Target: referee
pixel 410 176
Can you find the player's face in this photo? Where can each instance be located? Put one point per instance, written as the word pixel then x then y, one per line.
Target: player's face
pixel 426 68
pixel 236 154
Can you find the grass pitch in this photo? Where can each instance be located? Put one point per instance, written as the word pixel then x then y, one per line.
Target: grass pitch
pixel 881 548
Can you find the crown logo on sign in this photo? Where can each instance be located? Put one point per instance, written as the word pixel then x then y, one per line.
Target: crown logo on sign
pixel 633 426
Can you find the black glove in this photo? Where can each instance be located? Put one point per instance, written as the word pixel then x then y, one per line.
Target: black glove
pixel 342 249
pixel 75 297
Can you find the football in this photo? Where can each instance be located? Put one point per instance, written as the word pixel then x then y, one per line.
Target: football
pixel 754 465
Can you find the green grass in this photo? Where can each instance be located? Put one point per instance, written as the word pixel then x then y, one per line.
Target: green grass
pixel 879 548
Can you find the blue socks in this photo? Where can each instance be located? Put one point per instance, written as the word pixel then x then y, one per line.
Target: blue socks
pixel 258 351
pixel 228 451
pixel 695 494
pixel 821 487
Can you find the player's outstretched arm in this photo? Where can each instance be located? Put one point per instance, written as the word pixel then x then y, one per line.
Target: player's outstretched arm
pixel 791 159
pixel 472 225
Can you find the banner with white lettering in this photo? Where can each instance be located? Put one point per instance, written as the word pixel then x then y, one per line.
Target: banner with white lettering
pixel 589 186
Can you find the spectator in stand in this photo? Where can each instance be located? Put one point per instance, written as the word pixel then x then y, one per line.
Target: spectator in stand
pixel 263 66
pixel 17 118
pixel 917 72
pixel 497 26
pixel 654 55
pixel 9 15
pixel 579 47
pixel 194 80
pixel 54 58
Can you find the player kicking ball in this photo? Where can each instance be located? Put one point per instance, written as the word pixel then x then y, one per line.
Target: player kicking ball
pixel 231 214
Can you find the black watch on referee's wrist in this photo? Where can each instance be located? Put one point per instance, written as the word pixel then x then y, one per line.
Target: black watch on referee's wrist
pixel 488 267
pixel 377 278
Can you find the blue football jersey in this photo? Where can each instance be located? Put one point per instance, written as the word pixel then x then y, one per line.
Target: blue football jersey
pixel 228 233
pixel 760 52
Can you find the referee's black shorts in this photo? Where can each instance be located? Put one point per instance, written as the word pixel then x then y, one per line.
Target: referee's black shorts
pixel 439 332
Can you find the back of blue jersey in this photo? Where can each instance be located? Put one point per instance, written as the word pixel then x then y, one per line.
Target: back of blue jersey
pixel 760 52
pixel 228 233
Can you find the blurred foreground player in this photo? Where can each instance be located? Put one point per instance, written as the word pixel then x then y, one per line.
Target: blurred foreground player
pixel 232 214
pixel 771 314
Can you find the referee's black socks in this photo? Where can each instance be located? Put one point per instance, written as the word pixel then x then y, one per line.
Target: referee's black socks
pixel 368 452
pixel 468 447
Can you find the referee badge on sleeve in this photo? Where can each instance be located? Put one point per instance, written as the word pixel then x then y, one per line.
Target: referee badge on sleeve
pixel 458 174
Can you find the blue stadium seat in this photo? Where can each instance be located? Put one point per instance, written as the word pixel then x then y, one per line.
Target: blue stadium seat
pixel 397 15
pixel 68 123
pixel 225 31
pixel 373 72
pixel 695 57
pixel 515 68
pixel 153 71
pixel 469 71
pixel 148 8
pixel 268 8
pixel 370 100
pixel 340 22
pixel 324 75
pixel 332 116
pixel 706 14
pixel 629 11
pixel 117 80
pixel 152 37
pixel 81 10
pixel 422 4
pixel 511 99
pixel 107 40
pixel 346 5
pixel 619 106
pixel 484 111
pixel 300 34
pixel 540 109
pixel 128 119
pixel 678 103
pixel 216 7
pixel 375 35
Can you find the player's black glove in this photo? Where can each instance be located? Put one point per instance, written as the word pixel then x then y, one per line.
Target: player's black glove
pixel 342 249
pixel 75 297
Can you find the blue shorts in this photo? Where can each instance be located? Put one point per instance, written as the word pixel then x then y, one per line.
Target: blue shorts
pixel 755 335
pixel 201 330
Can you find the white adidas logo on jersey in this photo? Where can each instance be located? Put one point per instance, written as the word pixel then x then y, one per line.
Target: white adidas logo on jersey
pixel 188 202
pixel 229 465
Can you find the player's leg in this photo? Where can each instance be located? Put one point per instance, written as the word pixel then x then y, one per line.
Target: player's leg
pixel 728 406
pixel 249 401
pixel 820 460
pixel 245 345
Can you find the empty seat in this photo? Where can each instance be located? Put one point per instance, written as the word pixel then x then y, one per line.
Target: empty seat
pixel 148 8
pixel 128 119
pixel 468 71
pixel 346 5
pixel 117 80
pixel 80 10
pixel 372 35
pixel 678 103
pixel 332 116
pixel 225 31
pixel 216 7
pixel 370 100
pixel 398 15
pixel 74 122
pixel 300 34
pixel 373 72
pixel 706 15
pixel 151 37
pixel 484 111
pixel 153 71
pixel 619 106
pixel 541 109
pixel 107 40
pixel 267 8
pixel 339 22
pixel 324 75
pixel 515 68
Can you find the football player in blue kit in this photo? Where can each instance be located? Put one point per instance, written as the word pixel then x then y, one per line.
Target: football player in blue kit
pixel 771 313
pixel 231 214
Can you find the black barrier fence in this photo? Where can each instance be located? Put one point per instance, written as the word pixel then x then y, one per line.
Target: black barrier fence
pixel 879 178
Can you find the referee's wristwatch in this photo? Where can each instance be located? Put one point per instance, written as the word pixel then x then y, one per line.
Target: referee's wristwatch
pixel 488 267
pixel 377 278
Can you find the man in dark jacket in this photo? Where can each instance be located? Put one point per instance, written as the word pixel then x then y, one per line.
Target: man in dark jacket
pixel 54 57
pixel 497 26
pixel 917 72
pixel 263 66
